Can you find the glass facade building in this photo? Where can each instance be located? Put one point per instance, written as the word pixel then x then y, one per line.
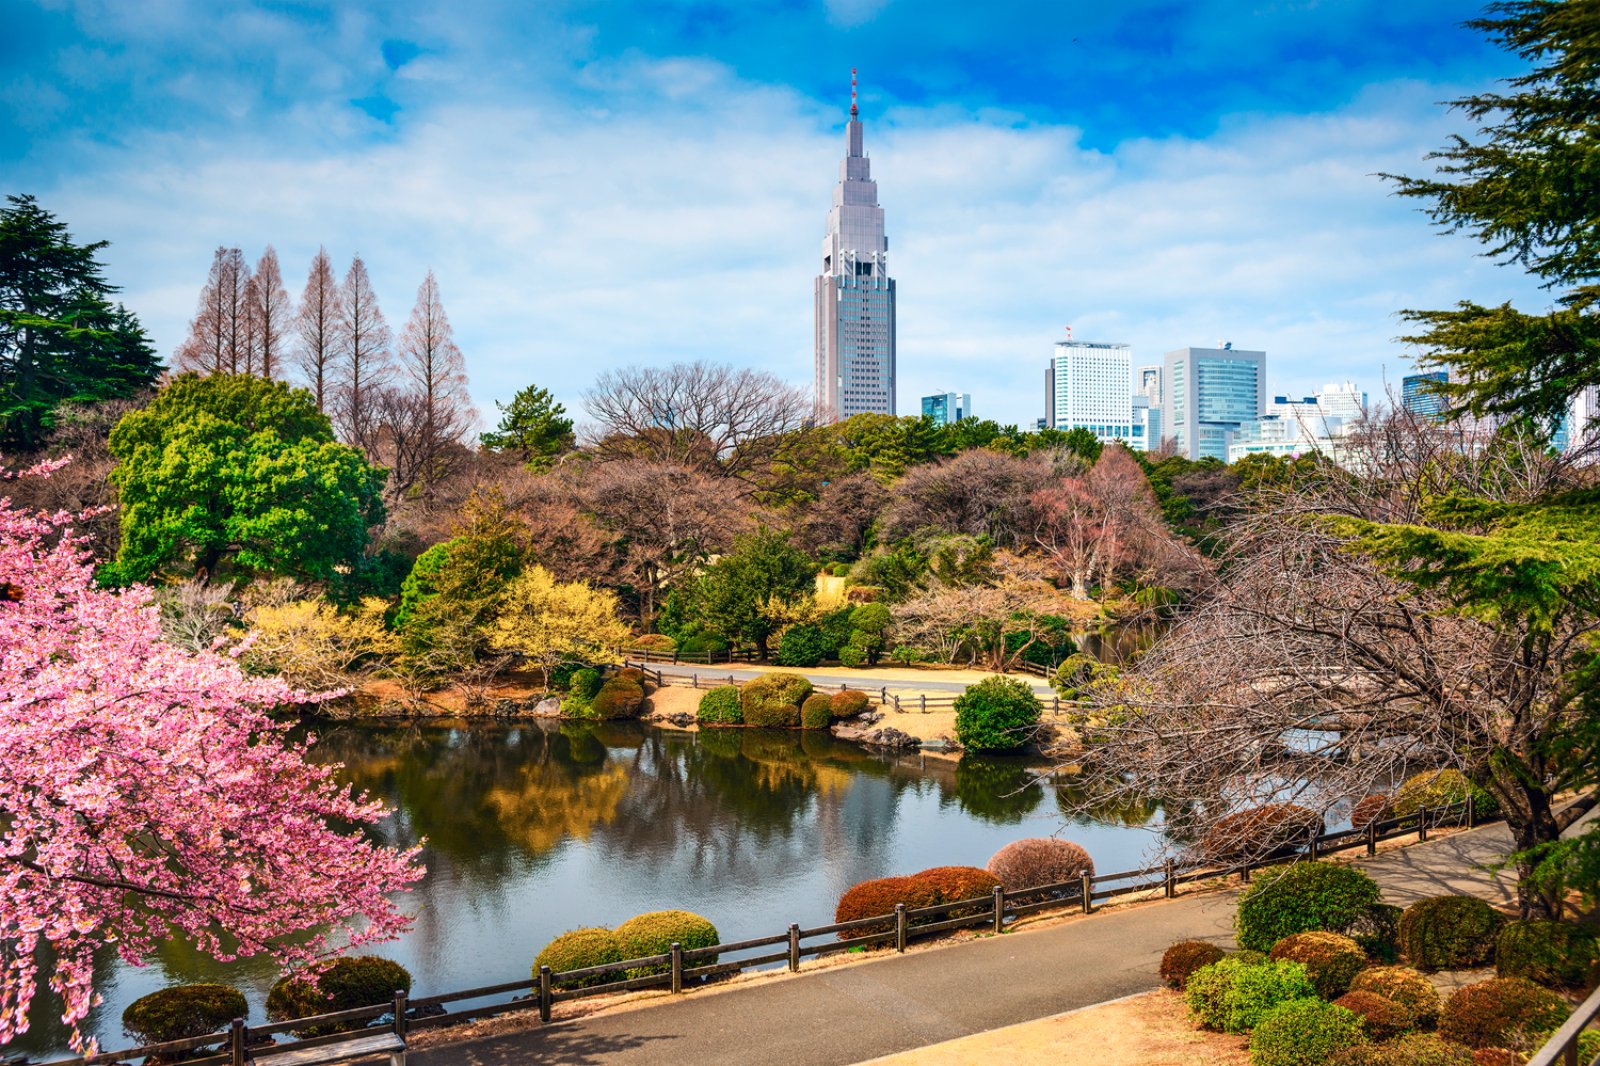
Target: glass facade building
pixel 947 407
pixel 1419 395
pixel 1208 393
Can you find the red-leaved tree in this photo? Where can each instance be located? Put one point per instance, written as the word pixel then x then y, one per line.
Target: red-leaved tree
pixel 145 793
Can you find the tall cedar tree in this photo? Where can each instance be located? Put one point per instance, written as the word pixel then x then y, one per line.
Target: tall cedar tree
pixel 367 364
pixel 320 331
pixel 60 337
pixel 272 316
pixel 436 374
pixel 222 333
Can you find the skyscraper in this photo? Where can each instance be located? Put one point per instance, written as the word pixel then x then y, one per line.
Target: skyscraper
pixel 854 344
pixel 1209 392
pixel 947 407
pixel 1418 393
pixel 1090 386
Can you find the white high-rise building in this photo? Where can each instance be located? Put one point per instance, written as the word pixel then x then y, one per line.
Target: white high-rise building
pixel 855 327
pixel 1089 386
pixel 1148 384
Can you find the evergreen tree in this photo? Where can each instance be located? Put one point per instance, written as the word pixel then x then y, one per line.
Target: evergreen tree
pixel 534 426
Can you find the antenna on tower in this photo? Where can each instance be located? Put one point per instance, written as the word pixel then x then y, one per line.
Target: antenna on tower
pixel 853 110
pixel 1069 333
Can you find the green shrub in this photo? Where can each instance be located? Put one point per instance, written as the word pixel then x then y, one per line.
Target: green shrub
pixel 852 655
pixel 1300 898
pixel 1304 1032
pixel 816 712
pixel 720 706
pixel 1413 1049
pixel 802 645
pixel 181 1012
pixel 1265 830
pixel 849 703
pixel 1501 1012
pixel 1439 788
pixel 1406 987
pixel 878 896
pixel 619 697
pixel 1184 958
pixel 838 569
pixel 584 683
pixel 579 950
pixel 774 700
pixel 344 984
pixel 1233 995
pixel 1449 932
pixel 1381 1016
pixel 996 714
pixel 1546 953
pixel 699 644
pixel 654 934
pixel 1377 930
pixel 1588 1043
pixel 1248 956
pixel 1332 960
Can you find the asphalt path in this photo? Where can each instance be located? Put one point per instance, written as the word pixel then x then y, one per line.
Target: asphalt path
pixel 720 672
pixel 853 1013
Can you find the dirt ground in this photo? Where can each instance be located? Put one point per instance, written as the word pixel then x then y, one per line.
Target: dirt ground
pixel 1152 1029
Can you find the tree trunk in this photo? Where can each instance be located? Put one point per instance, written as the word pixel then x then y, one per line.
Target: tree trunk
pixel 1532 823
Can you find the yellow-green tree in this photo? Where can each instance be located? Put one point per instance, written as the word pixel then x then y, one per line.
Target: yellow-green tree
pixel 314 646
pixel 550 622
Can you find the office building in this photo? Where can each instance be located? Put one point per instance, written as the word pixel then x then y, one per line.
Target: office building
pixel 947 407
pixel 1148 384
pixel 1087 386
pixel 855 327
pixel 1419 395
pixel 1146 433
pixel 1207 393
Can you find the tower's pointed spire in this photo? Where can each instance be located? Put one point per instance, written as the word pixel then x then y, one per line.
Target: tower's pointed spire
pixel 854 111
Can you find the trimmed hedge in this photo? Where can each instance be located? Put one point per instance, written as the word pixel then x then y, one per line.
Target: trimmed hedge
pixel 802 645
pixel 957 883
pixel 654 934
pixel 1233 995
pixel 1546 953
pixel 816 712
pixel 1301 898
pixel 1381 1016
pixel 183 1011
pixel 849 703
pixel 584 683
pixel 720 706
pixel 878 896
pixel 345 984
pixel 1304 1032
pixel 1498 1056
pixel 654 642
pixel 1449 932
pixel 1035 861
pixel 580 949
pixel 1404 986
pixel 1265 830
pixel 1439 788
pixel 1369 809
pixel 997 714
pixel 1184 958
pixel 1501 1012
pixel 1413 1049
pixel 1377 930
pixel 773 700
pixel 1332 960
pixel 619 697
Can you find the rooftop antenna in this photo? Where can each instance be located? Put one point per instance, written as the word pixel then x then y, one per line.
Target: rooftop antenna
pixel 1069 334
pixel 853 110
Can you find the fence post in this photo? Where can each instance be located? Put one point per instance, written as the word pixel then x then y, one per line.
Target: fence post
pixel 1422 823
pixel 1055 705
pixel 544 993
pixel 1244 872
pixel 999 909
pixel 1372 837
pixel 400 1013
pixel 1312 847
pixel 897 702
pixel 1171 885
pixel 677 967
pixel 924 700
pixel 694 679
pixel 1472 810
pixel 674 656
pixel 236 1041
pixel 1086 881
pixel 900 927
pixel 794 948
pixel 883 694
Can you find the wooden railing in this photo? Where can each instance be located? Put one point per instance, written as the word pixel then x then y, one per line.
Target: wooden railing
pixel 1562 1046
pixel 684 967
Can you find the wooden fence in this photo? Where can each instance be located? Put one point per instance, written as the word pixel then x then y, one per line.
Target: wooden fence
pixel 1562 1047
pixel 682 968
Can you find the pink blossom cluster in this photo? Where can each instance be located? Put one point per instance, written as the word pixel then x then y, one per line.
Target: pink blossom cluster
pixel 146 793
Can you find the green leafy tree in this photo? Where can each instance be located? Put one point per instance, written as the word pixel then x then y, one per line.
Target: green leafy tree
pixel 61 340
pixel 741 595
pixel 996 714
pixel 533 426
pixel 1523 185
pixel 238 472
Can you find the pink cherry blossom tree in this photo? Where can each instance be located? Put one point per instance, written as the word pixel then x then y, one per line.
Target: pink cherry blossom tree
pixel 145 793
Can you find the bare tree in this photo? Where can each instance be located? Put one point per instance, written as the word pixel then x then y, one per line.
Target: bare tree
pixel 719 420
pixel 271 316
pixel 979 493
pixel 436 376
pixel 320 330
pixel 839 521
pixel 366 363
pixel 221 334
pixel 974 621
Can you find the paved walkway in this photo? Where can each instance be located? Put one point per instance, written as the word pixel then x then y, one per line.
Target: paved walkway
pixel 710 675
pixel 853 1013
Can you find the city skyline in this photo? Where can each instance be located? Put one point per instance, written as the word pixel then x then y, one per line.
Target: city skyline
pixel 580 179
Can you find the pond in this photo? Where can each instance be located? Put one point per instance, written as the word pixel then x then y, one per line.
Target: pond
pixel 533 829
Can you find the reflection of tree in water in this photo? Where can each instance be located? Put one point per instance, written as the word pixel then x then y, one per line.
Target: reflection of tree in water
pixel 1083 804
pixel 998 790
pixel 549 803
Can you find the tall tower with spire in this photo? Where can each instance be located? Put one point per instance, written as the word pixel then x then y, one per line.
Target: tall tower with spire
pixel 855 356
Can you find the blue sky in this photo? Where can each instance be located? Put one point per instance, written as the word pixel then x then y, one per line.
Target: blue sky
pixel 597 184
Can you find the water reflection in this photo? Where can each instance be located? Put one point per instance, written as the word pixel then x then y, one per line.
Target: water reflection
pixel 532 829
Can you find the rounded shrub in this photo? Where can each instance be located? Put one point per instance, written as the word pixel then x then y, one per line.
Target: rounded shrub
pixel 1449 932
pixel 183 1011
pixel 1412 1049
pixel 579 950
pixel 706 644
pixel 1037 861
pixel 720 706
pixel 1546 953
pixel 1184 958
pixel 1332 960
pixel 803 645
pixel 1233 996
pixel 655 933
pixel 1498 1056
pixel 996 714
pixel 852 655
pixel 584 683
pixel 1300 898
pixel 1377 930
pixel 816 712
pixel 344 984
pixel 1265 830
pixel 1439 788
pixel 957 883
pixel 619 697
pixel 1404 986
pixel 1381 1016
pixel 1248 956
pixel 773 700
pixel 869 899
pixel 849 703
pixel 1304 1032
pixel 1369 809
pixel 659 642
pixel 1500 1012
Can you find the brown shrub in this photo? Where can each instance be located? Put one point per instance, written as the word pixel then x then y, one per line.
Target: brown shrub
pixel 1184 958
pixel 1406 987
pixel 1037 861
pixel 1369 809
pixel 1500 1012
pixel 957 883
pixel 1275 827
pixel 1498 1056
pixel 1332 960
pixel 869 899
pixel 849 703
pixel 1381 1016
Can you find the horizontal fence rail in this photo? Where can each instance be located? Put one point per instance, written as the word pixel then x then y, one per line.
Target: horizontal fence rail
pixel 1562 1047
pixel 680 967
